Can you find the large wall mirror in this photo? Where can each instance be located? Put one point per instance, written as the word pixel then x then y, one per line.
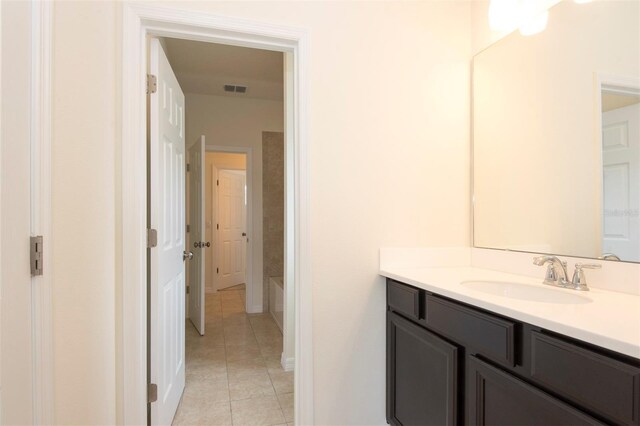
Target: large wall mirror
pixel 556 135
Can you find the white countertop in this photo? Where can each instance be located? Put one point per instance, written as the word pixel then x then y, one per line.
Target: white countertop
pixel 610 319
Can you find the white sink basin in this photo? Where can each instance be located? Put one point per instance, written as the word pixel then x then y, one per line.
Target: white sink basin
pixel 526 292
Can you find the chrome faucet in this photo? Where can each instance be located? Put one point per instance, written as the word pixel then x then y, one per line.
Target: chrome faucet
pixel 557 273
pixel 556 270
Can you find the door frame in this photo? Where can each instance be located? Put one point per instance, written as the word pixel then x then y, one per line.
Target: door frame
pixel 253 302
pixel 140 20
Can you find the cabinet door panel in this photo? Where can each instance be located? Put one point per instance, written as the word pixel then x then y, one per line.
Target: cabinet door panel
pixel 422 375
pixel 495 397
pixel 611 388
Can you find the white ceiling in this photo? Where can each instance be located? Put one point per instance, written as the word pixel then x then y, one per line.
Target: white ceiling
pixel 204 68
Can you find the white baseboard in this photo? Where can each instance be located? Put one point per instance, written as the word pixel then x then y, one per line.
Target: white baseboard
pixel 287 363
pixel 255 309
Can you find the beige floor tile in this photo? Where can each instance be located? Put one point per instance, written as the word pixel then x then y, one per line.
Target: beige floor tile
pixel 250 386
pixel 205 391
pixel 282 381
pixel 216 414
pixel 237 360
pixel 205 371
pixel 273 362
pixel 205 350
pixel 246 367
pixel 234 318
pixel 269 340
pixel 237 352
pixel 257 411
pixel 241 329
pixel 270 350
pixel 286 404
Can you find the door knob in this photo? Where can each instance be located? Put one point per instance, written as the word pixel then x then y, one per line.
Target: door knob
pixel 187 256
pixel 208 244
pixel 197 244
pixel 244 234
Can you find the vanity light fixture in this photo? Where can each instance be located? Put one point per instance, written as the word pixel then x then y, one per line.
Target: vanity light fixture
pixel 529 15
pixel 535 25
pixel 504 14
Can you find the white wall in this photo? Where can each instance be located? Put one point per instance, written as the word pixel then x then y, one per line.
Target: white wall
pixel 85 145
pixel 16 315
pixel 389 142
pixel 238 122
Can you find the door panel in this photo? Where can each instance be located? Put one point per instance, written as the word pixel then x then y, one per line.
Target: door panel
pixel 232 216
pixel 621 191
pixel 197 235
pixel 167 216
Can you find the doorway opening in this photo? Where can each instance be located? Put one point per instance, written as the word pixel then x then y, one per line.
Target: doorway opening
pixel 223 209
pixel 226 214
pixel 139 22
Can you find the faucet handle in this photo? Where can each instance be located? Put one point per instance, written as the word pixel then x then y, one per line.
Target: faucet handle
pixel 579 280
pixel 588 266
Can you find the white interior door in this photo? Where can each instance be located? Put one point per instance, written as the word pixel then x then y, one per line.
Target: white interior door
pixel 621 182
pixel 167 216
pixel 232 239
pixel 197 243
pixel 16 354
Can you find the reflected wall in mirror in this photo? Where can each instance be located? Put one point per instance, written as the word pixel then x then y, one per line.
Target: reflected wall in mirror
pixel 556 135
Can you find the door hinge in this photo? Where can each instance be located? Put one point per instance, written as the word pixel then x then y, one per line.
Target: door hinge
pixel 152 84
pixel 36 255
pixel 152 238
pixel 188 167
pixel 217 226
pixel 152 392
pixel 217 182
pixel 188 287
pixel 217 270
pixel 188 228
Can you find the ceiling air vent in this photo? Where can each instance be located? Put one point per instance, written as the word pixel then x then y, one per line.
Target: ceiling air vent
pixel 233 88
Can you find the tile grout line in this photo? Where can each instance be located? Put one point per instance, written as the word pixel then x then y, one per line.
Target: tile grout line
pixel 226 360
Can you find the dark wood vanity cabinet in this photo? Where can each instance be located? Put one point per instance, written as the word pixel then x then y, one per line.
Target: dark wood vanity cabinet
pixel 495 397
pixel 449 363
pixel 422 372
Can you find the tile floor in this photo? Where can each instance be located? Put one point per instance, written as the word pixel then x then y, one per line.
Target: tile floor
pixel 233 372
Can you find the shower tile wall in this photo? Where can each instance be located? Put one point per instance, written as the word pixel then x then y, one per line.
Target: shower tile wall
pixel 272 208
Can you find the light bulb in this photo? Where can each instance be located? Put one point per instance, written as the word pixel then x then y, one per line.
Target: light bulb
pixel 504 14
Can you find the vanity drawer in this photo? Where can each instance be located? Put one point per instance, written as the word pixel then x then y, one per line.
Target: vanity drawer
pixel 404 299
pixel 599 383
pixel 482 333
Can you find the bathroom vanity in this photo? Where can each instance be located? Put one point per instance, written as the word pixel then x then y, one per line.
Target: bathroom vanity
pixel 450 362
pixel 473 335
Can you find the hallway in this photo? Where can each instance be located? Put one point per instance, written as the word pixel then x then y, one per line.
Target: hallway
pixel 233 372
